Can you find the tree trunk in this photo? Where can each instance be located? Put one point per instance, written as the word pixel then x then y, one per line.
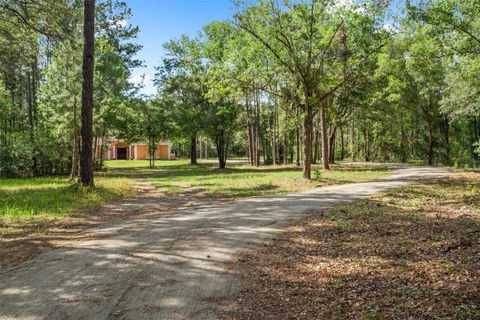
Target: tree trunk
pixel 274 152
pixel 102 147
pixel 250 143
pixel 200 146
pixel 367 144
pixel 31 125
pixel 331 145
pixel 298 136
pixel 257 132
pixel 307 143
pixel 403 145
pixel 95 144
pixel 447 139
pixel 353 141
pixel 254 151
pixel 277 132
pixel 250 132
pixel 193 150
pixel 323 127
pixel 430 145
pixel 220 142
pixel 74 170
pixel 476 138
pixel 86 163
pixel 342 144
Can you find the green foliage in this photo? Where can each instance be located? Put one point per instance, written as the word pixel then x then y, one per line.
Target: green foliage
pixel 317 174
pixel 40 80
pixel 253 85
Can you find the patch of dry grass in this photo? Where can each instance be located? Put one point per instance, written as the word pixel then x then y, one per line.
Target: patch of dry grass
pixel 413 253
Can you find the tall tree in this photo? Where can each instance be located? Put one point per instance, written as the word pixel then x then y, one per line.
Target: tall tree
pixel 86 153
pixel 302 38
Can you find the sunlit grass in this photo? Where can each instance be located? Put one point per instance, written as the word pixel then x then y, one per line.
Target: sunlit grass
pixel 140 163
pixel 53 197
pixel 49 198
pixel 238 180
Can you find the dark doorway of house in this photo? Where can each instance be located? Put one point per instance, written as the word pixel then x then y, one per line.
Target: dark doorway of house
pixel 122 153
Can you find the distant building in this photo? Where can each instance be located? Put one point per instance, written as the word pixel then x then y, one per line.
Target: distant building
pixel 116 149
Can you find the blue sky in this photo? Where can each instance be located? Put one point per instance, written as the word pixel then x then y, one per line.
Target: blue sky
pixel 162 20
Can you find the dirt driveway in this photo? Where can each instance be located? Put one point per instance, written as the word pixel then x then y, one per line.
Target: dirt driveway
pixel 166 267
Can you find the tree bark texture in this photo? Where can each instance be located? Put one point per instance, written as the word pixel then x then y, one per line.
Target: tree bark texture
pixel 86 161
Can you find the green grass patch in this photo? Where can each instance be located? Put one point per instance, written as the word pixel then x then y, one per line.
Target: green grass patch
pixel 48 198
pixel 236 180
pixel 109 164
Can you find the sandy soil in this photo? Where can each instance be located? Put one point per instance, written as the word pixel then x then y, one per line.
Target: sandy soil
pixel 168 266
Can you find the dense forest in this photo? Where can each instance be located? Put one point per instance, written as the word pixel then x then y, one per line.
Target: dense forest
pixel 281 82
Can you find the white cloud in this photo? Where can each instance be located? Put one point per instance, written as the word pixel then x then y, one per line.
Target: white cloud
pixel 138 79
pixel 390 28
pixel 348 5
pixel 145 81
pixel 122 23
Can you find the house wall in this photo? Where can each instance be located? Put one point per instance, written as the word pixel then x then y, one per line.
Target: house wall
pixel 141 151
pixel 162 152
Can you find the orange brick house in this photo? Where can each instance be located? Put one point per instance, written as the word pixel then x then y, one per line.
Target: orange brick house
pixel 116 149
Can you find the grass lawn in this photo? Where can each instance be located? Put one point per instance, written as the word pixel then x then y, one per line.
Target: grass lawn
pixel 112 164
pixel 30 199
pixel 33 201
pixel 412 253
pixel 236 180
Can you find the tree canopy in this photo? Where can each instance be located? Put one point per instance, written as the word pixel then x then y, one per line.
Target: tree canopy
pixel 280 82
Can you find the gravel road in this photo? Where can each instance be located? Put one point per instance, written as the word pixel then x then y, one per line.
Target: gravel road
pixel 169 266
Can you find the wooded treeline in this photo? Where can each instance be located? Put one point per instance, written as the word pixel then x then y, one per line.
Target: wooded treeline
pixel 41 45
pixel 315 81
pixel 282 82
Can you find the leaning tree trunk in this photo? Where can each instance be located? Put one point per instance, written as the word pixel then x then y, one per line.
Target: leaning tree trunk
pixel 86 163
pixel 193 150
pixel 323 127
